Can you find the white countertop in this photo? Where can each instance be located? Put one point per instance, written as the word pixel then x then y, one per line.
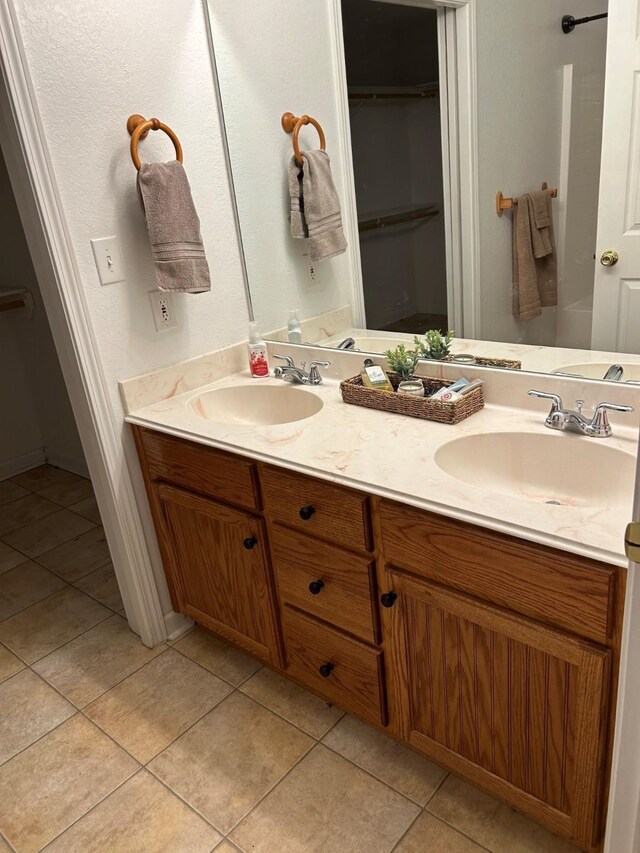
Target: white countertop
pixel 393 456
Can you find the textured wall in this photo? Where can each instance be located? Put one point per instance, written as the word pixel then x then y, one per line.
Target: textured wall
pixel 36 413
pixel 521 54
pixel 272 57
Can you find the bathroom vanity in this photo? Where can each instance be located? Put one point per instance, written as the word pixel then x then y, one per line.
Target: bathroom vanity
pixel 494 656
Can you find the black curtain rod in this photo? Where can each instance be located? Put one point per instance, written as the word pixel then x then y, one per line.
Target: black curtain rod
pixel 569 23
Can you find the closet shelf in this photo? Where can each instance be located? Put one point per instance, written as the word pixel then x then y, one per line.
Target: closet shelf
pixel 396 216
pixel 14 298
pixel 428 91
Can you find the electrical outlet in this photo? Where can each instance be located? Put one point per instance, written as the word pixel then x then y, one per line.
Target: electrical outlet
pixel 106 253
pixel 162 310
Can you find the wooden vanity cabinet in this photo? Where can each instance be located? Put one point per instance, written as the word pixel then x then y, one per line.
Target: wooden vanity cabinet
pixel 493 656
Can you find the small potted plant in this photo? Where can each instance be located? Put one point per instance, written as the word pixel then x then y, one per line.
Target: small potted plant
pixel 403 362
pixel 435 345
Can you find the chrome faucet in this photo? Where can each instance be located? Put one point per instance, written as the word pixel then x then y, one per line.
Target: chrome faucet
pixel 614 373
pixel 298 375
pixel 347 343
pixel 560 418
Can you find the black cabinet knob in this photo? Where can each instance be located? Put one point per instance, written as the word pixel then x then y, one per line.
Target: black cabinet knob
pixel 250 542
pixel 315 587
pixel 326 669
pixel 388 599
pixel 306 512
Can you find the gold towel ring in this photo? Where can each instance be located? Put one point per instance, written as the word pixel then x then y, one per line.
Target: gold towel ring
pixel 293 124
pixel 138 127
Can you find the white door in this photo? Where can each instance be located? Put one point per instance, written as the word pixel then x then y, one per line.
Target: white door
pixel 616 303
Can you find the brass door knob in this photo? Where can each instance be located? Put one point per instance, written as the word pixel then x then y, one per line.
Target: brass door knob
pixel 609 258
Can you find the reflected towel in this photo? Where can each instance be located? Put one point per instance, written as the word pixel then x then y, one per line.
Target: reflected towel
pixel 315 206
pixel 535 272
pixel 174 228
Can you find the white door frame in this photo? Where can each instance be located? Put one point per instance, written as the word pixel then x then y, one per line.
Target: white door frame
pixel 456 45
pixel 41 211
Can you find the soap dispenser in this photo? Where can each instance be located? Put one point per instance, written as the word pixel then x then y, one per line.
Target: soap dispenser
pixel 258 355
pixel 294 329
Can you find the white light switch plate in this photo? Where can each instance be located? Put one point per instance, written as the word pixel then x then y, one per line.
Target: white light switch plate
pixel 106 253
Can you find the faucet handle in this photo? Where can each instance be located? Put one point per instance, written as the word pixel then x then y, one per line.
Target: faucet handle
pixel 556 399
pixel 600 425
pixel 314 375
pixel 287 358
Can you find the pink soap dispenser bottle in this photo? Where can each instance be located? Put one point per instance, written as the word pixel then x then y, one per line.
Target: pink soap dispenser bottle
pixel 258 355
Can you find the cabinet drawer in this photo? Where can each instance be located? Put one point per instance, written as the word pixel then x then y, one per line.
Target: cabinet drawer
pixel 319 508
pixel 200 469
pixel 353 673
pixel 563 589
pixel 328 582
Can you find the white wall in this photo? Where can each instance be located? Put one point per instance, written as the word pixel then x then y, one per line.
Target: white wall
pixel 37 421
pixel 520 59
pixel 92 64
pixel 273 58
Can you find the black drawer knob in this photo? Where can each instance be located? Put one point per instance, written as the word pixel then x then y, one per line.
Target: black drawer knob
pixel 326 669
pixel 388 599
pixel 306 512
pixel 315 587
pixel 250 542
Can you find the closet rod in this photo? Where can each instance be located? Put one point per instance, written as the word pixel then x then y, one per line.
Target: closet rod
pixel 569 23
pixel 398 218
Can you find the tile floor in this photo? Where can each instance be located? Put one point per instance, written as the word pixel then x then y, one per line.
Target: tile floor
pixel 106 745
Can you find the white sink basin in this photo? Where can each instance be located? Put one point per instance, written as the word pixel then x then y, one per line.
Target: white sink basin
pixel 569 470
pixel 257 405
pixel 597 370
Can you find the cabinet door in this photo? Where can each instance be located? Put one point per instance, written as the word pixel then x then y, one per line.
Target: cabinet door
pixel 518 708
pixel 221 570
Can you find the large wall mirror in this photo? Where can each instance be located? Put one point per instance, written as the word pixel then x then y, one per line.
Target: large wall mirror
pixel 430 111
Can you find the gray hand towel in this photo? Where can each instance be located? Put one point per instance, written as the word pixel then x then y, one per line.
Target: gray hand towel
pixel 174 228
pixel 316 210
pixel 535 274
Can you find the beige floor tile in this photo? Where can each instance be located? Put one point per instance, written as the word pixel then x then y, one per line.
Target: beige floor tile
pixel 67 488
pixel 430 835
pixel 24 585
pixel 217 656
pixel 45 626
pixel 10 558
pixel 491 823
pixel 230 759
pixel 141 815
pixel 88 508
pixel 157 704
pixel 4 847
pixel 302 708
pixel 224 847
pixel 37 478
pixel 93 663
pixel 79 557
pixel 326 804
pixel 48 532
pixel 57 780
pixel 102 584
pixel 29 708
pixel 380 755
pixel 9 664
pixel 10 491
pixel 24 511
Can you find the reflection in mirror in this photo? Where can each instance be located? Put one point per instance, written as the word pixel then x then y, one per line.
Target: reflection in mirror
pixel 419 158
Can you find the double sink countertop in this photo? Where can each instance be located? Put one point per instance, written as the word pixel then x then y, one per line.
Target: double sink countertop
pixel 504 476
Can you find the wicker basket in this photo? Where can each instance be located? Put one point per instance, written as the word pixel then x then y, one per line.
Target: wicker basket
pixel 487 361
pixel 357 394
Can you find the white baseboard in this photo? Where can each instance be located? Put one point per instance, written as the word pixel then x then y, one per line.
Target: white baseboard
pixel 22 463
pixel 176 625
pixel 68 463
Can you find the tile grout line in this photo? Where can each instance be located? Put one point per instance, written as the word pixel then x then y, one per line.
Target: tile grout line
pixel 66 643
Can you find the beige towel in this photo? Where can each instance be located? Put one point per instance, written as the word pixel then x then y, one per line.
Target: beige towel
pixel 535 273
pixel 315 206
pixel 174 228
